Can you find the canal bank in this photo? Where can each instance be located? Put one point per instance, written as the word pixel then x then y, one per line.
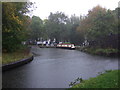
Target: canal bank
pixel 18 63
pixel 108 79
pixel 109 52
pixel 15 59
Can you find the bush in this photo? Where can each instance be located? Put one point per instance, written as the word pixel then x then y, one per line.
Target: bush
pixel 101 51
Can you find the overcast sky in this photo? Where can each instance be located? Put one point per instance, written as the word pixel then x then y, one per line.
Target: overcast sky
pixel 70 7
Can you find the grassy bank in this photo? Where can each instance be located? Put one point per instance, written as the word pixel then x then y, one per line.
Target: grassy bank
pixel 22 53
pixel 106 80
pixel 100 51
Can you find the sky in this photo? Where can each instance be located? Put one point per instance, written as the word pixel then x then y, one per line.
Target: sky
pixel 69 7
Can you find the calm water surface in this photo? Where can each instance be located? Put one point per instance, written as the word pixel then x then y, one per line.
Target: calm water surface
pixel 56 68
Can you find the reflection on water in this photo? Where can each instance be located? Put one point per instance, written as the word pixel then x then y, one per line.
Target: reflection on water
pixel 56 68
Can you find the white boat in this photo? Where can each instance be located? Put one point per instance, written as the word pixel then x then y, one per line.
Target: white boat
pixel 66 46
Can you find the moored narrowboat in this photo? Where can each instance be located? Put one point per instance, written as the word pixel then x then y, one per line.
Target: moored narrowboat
pixel 66 46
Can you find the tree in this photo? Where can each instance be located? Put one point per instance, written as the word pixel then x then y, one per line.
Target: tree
pixel 62 28
pixel 36 28
pixel 97 26
pixel 13 18
pixel 55 26
pixel 73 35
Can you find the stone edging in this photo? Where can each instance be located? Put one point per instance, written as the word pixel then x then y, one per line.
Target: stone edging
pixel 16 64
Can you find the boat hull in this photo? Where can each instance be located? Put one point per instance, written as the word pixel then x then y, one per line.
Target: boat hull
pixel 66 48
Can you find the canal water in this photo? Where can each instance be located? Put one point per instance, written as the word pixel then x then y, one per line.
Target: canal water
pixel 56 68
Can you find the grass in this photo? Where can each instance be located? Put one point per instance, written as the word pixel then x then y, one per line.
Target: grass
pixel 100 51
pixel 15 56
pixel 107 52
pixel 106 80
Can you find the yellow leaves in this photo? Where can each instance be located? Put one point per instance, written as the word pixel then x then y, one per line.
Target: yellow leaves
pixel 16 18
pixel 8 9
pixel 94 12
pixel 9 12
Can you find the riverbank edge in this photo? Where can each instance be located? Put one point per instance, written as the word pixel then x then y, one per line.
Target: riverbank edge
pixel 99 51
pixel 18 63
pixel 108 52
pixel 99 81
